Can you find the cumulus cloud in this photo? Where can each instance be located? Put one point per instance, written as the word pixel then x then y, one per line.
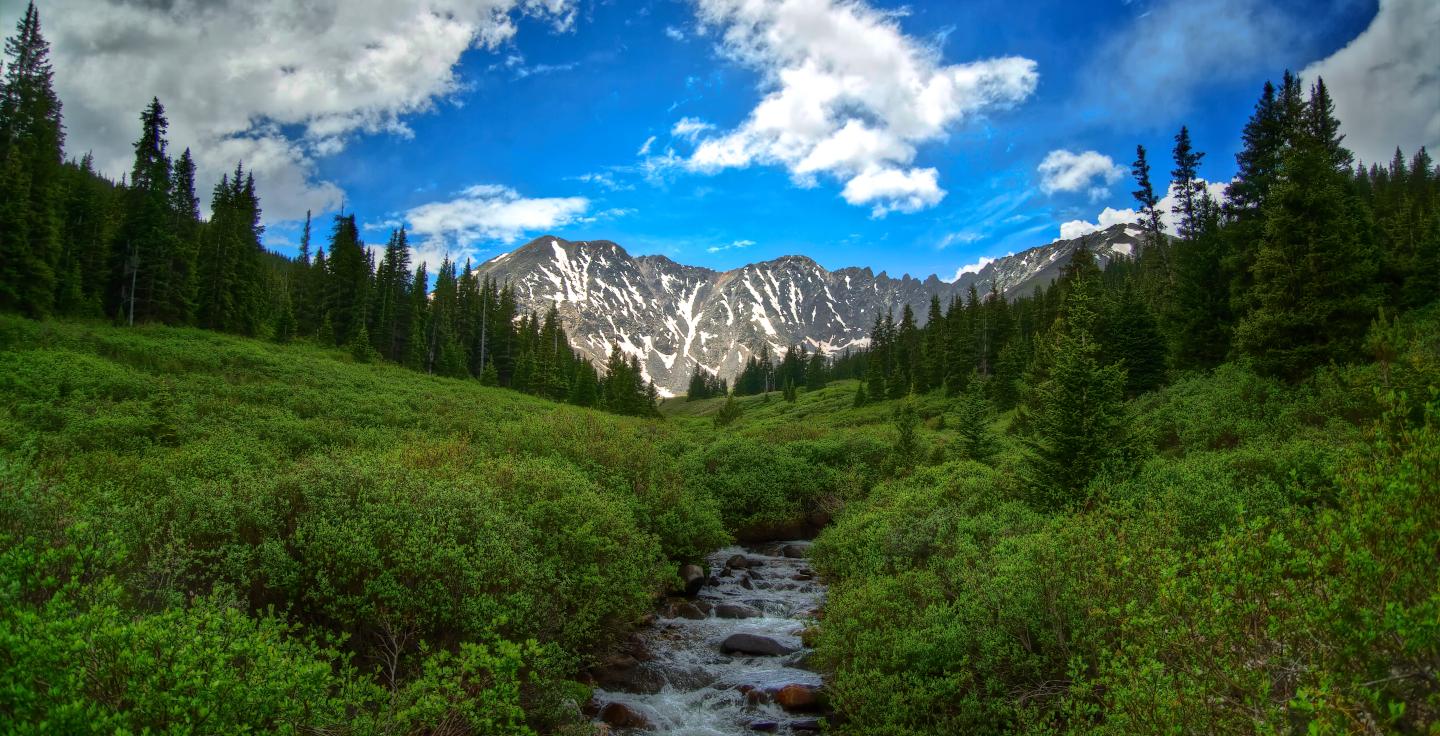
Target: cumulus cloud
pixel 1111 216
pixel 278 83
pixel 1386 82
pixel 850 96
pixel 674 34
pixel 490 212
pixel 972 268
pixel 1067 171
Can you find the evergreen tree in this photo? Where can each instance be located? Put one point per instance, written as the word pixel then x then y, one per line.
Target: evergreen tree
pixel 31 139
pixel 1132 338
pixel 1155 256
pixel 147 244
pixel 729 412
pixel 348 280
pixel 860 398
pixel 1314 275
pixel 1074 410
pixel 815 372
pixel 973 414
pixel 360 348
pixel 907 438
pixel 1189 190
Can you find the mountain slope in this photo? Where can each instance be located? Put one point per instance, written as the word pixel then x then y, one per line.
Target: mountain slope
pixel 675 318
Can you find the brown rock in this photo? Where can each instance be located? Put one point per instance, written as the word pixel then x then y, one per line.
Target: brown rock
pixel 797 697
pixel 620 715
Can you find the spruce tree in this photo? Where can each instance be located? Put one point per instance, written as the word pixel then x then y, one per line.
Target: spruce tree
pixel 1155 256
pixel 146 242
pixel 1314 291
pixel 973 414
pixel 1074 410
pixel 31 140
pixel 1189 190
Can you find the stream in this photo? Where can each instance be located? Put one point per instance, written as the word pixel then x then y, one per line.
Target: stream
pixel 699 670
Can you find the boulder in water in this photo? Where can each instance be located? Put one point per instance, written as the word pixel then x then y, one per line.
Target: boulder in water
pixel 807 725
pixel 755 644
pixel 765 726
pixel 735 610
pixel 737 562
pixel 690 611
pixel 694 578
pixel 620 715
pixel 624 673
pixel 796 551
pixel 798 697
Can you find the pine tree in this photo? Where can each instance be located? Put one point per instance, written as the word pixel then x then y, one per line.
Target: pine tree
pixel 860 398
pixel 1189 190
pixel 1314 290
pixel 146 242
pixel 1155 256
pixel 31 140
pixel 360 348
pixel 815 372
pixel 729 412
pixel 1074 410
pixel 907 439
pixel 1132 338
pixel 973 414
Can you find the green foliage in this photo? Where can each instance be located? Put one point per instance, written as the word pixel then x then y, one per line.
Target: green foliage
pixel 728 413
pixel 203 482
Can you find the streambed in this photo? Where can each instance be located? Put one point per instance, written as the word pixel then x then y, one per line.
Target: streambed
pixel 698 670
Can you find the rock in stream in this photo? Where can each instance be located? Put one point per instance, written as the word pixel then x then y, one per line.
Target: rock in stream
pixel 736 669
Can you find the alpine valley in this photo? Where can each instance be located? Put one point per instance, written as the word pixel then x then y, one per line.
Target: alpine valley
pixel 675 318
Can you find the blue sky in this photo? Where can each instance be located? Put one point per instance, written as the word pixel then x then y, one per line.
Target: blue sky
pixel 646 123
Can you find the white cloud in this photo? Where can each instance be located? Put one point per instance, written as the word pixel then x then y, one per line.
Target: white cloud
pixel 490 212
pixel 1386 82
pixel 1067 171
pixel 1111 216
pixel 972 268
pixel 1175 48
pixel 894 190
pixel 675 34
pixel 848 95
pixel 690 128
pixel 731 246
pixel 280 83
pixel 645 147
pixel 961 238
pixel 605 180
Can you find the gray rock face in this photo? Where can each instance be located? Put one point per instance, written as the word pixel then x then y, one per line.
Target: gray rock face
pixel 677 319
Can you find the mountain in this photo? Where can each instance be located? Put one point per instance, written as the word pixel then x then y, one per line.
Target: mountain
pixel 675 318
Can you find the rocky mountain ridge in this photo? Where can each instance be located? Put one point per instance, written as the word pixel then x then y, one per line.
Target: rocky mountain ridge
pixel 676 319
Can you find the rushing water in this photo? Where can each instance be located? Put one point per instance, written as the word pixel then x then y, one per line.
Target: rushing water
pixel 702 691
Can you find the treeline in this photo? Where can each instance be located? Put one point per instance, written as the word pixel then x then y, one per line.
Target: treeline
pixel 761 374
pixel 73 243
pixel 1307 248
